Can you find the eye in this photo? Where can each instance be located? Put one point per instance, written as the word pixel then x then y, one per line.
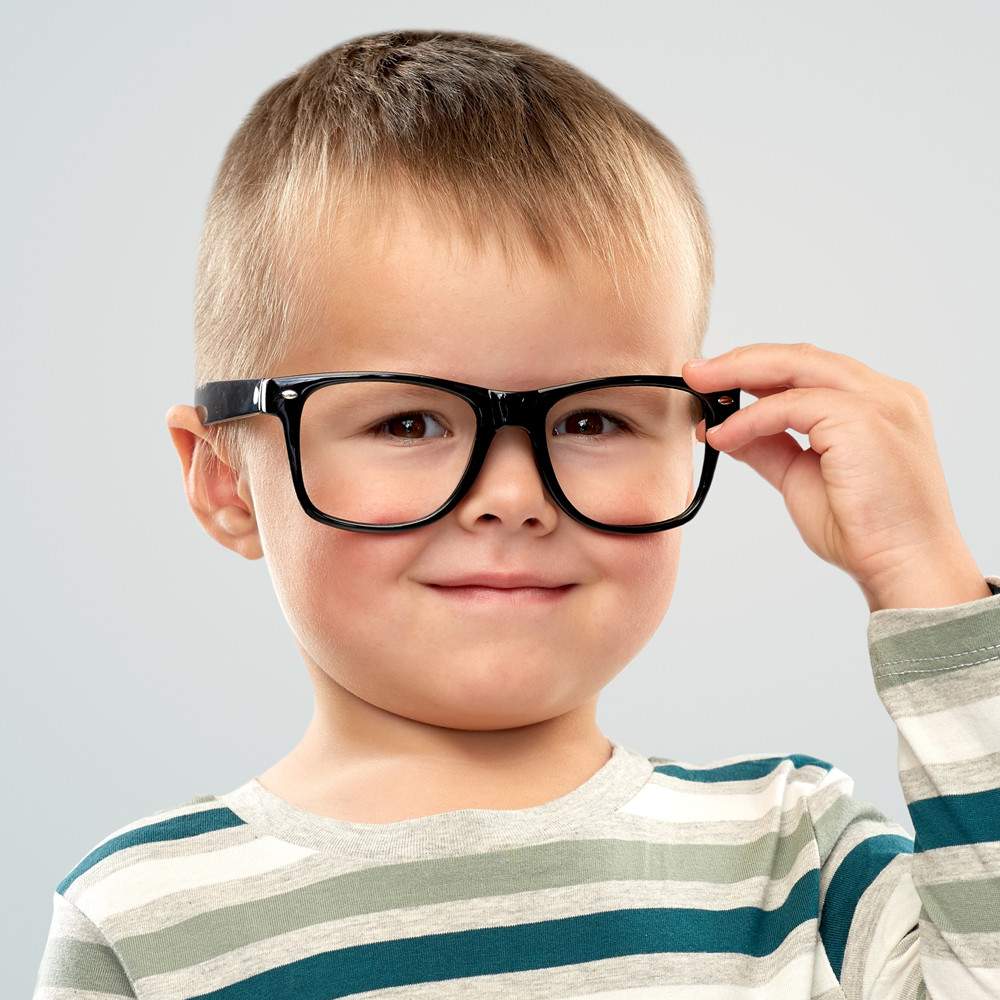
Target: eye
pixel 412 425
pixel 586 422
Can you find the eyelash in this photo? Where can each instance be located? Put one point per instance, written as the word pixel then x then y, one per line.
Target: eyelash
pixel 375 430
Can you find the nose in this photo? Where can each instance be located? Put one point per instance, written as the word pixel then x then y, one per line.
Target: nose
pixel 506 438
pixel 509 487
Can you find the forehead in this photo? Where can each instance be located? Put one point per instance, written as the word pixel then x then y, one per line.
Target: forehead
pixel 405 294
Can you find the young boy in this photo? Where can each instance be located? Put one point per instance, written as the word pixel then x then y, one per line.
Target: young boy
pixel 464 570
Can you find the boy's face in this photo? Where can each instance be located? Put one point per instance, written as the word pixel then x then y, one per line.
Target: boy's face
pixel 363 617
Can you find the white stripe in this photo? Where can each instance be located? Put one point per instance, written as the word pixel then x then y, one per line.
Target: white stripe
pixel 794 980
pixel 717 762
pixel 947 977
pixel 140 883
pixel 899 915
pixel 950 736
pixel 69 993
pixel 675 804
pixel 68 921
pixel 896 977
pixel 148 820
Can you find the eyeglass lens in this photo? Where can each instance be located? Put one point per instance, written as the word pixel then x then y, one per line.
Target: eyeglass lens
pixel 386 452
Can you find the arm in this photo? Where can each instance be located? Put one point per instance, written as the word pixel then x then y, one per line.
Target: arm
pixel 78 960
pixel 902 918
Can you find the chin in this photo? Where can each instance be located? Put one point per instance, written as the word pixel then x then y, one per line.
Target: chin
pixel 483 712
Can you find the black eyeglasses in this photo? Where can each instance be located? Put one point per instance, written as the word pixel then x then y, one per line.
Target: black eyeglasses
pixel 346 451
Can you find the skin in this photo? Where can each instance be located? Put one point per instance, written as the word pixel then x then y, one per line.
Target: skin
pixel 869 495
pixel 445 708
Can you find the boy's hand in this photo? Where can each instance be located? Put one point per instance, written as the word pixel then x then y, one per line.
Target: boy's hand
pixel 869 495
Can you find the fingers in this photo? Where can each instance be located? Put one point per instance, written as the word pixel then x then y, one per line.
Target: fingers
pixel 770 367
pixel 794 409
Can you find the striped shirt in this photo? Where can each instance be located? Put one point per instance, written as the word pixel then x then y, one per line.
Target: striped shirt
pixel 744 877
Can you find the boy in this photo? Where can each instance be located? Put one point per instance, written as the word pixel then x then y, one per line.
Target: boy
pixel 480 215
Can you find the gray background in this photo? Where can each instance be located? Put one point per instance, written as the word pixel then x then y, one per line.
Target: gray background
pixel 848 157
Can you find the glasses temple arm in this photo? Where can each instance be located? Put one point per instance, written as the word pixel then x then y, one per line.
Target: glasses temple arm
pixel 229 399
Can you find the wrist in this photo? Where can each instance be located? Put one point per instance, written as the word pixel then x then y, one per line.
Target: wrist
pixel 933 583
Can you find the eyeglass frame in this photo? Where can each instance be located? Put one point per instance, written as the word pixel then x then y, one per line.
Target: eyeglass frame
pixel 284 397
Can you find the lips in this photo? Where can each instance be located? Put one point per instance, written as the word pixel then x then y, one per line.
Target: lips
pixel 501 581
pixel 493 600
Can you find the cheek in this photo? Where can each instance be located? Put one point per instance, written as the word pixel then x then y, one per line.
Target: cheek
pixel 640 564
pixel 653 569
pixel 642 570
pixel 331 583
pixel 347 579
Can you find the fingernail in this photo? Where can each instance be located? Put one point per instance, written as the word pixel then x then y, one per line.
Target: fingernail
pixel 694 362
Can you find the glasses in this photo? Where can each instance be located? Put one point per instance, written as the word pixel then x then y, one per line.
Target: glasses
pixel 392 451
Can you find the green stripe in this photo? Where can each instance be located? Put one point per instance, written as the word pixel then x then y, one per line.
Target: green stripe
pixel 965 907
pixel 491 951
pixel 444 880
pixel 936 648
pixel 842 814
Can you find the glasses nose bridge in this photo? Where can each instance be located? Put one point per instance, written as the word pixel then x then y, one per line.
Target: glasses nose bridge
pixel 514 409
pixel 511 409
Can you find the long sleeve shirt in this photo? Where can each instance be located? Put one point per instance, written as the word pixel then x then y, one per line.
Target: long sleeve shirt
pixel 744 877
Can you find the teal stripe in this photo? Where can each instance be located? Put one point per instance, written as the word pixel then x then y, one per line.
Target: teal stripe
pixel 490 951
pixel 176 828
pixel 744 770
pixel 951 820
pixel 856 872
pixel 209 933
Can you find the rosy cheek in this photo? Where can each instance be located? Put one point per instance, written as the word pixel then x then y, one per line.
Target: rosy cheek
pixel 359 566
pixel 636 560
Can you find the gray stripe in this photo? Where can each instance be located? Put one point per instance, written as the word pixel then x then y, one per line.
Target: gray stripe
pixel 935 692
pixel 934 641
pixel 215 925
pixel 892 621
pixel 979 774
pixel 82 965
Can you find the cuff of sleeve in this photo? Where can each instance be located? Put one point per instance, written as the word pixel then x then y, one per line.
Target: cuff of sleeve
pixel 938 638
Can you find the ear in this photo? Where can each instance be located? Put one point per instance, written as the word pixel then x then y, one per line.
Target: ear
pixel 215 491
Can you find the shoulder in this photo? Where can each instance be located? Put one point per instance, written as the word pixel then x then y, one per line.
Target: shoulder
pixel 788 787
pixel 748 786
pixel 97 883
pixel 802 770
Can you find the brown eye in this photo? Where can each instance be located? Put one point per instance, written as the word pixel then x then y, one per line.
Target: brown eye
pixel 407 426
pixel 587 422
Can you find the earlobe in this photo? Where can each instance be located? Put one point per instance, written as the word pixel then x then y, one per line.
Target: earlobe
pixel 239 528
pixel 211 486
pixel 222 511
pixel 217 503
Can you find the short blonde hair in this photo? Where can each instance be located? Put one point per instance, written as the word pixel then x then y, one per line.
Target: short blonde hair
pixel 480 131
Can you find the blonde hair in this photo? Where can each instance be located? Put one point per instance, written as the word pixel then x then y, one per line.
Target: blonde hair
pixel 479 131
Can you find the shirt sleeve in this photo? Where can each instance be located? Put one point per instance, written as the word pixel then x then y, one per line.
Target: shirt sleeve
pixel 78 960
pixel 919 917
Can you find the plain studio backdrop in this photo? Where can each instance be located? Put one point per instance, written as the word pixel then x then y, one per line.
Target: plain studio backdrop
pixel 848 157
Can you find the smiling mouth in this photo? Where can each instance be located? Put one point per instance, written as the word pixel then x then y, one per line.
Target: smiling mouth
pixel 479 594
